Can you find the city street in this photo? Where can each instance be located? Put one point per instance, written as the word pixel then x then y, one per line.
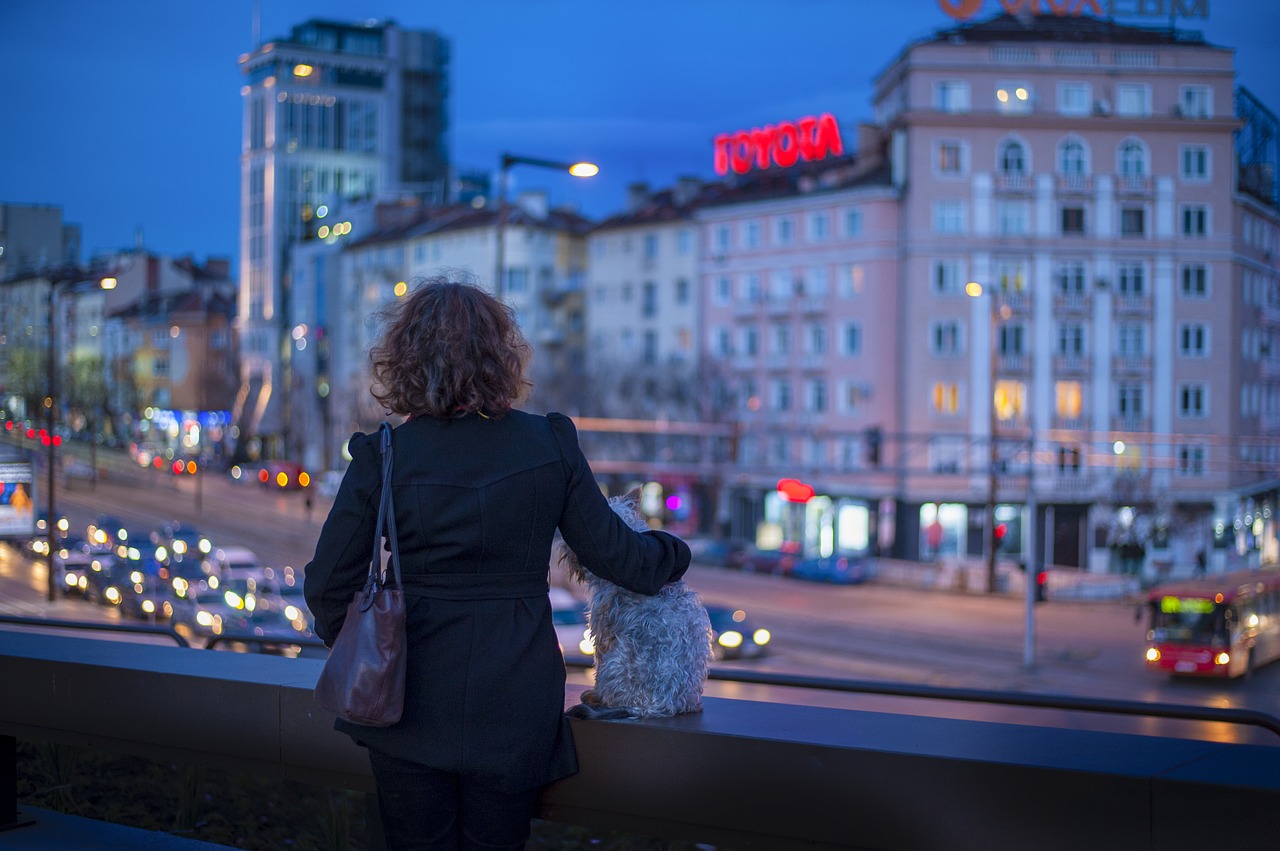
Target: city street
pixel 864 632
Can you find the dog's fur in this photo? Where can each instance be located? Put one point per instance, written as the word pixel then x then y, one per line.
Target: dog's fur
pixel 652 653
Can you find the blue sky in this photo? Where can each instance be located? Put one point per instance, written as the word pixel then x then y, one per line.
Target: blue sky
pixel 127 113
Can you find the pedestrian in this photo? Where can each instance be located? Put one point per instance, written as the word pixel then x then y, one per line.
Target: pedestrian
pixel 310 505
pixel 1200 562
pixel 479 490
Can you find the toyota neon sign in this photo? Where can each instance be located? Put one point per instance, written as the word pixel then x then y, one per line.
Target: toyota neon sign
pixel 783 144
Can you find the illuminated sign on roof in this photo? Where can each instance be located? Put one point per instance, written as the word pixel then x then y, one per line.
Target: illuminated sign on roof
pixel 783 144
pixel 963 10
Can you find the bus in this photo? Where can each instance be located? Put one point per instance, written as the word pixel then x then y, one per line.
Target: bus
pixel 1215 626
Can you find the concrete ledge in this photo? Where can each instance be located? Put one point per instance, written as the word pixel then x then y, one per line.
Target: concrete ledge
pixel 764 775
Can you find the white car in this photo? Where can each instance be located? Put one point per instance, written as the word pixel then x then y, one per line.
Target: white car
pixel 233 562
pixel 569 614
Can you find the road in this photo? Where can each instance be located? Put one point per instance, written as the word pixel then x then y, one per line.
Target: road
pixel 867 632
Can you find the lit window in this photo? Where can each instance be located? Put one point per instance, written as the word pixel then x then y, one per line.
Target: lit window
pixel 945 398
pixel 1069 397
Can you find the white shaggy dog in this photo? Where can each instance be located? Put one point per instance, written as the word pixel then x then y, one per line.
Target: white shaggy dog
pixel 651 653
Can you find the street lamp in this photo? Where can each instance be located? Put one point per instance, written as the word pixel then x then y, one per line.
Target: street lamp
pixel 51 439
pixel 999 312
pixel 578 169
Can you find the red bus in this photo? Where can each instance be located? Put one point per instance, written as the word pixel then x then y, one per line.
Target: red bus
pixel 1216 626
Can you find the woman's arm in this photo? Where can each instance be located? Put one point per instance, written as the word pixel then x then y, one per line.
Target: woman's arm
pixel 345 548
pixel 603 542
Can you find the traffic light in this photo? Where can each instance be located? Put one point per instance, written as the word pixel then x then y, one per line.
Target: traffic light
pixel 999 534
pixel 1042 584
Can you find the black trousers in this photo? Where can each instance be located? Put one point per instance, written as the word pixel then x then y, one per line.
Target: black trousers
pixel 425 809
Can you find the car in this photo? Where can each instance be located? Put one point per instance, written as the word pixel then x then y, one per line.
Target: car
pixel 144 591
pixel 75 557
pixel 180 542
pixel 226 562
pixel 104 531
pixel 758 560
pixel 840 570
pixel 103 579
pixel 569 616
pixel 199 609
pixel 733 636
pixel 283 592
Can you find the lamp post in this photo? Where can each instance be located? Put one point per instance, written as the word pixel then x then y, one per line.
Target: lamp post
pixel 51 405
pixel 974 290
pixel 578 169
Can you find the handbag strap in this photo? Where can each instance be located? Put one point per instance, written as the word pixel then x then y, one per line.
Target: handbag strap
pixel 386 518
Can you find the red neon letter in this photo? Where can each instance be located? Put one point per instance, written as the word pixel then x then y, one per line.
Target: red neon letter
pixel 786 145
pixel 807 136
pixel 762 139
pixel 826 142
pixel 722 153
pixel 740 153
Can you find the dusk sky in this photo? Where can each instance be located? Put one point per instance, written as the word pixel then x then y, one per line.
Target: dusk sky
pixel 127 114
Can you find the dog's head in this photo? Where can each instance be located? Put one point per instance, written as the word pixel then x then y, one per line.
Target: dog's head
pixel 626 506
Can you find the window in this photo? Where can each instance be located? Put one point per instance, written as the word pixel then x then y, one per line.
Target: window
pixel 1195 163
pixel 159 338
pixel 1193 400
pixel 1133 221
pixel 650 246
pixel 1011 339
pixel 1013 217
pixel 1133 100
pixel 816 339
pixel 1074 99
pixel 1133 159
pixel 723 290
pixel 1072 221
pixel 1010 400
pixel 751 235
pixel 1196 101
pixel 722 238
pixel 750 341
pixel 1130 401
pixel 1130 280
pixel 1195 281
pixel 945 398
pixel 1071 339
pixel 948 217
pixel 815 283
pixel 649 300
pixel 781 339
pixel 946 277
pixel 1190 460
pixel 1069 460
pixel 819 227
pixel 1070 278
pixel 782 395
pixel 1131 339
pixel 1013 159
pixel 817 395
pixel 853 222
pixel 1069 399
pixel 160 367
pixel 1013 98
pixel 851 339
pixel 682 290
pixel 1193 340
pixel 950 158
pixel 951 95
pixel 786 230
pixel 1011 275
pixel 945 337
pixel 1072 161
pixel 650 353
pixel 751 288
pixel 684 241
pixel 1195 220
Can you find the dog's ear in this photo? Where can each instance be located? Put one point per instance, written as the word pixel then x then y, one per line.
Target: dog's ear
pixel 632 496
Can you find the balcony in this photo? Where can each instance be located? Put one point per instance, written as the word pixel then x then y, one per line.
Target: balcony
pixel 1018 301
pixel 1070 484
pixel 779 306
pixel 1072 364
pixel 813 305
pixel 805 776
pixel 1074 303
pixel 1131 424
pixel 1016 363
pixel 1131 305
pixel 1137 365
pixel 1070 423
pixel 747 308
pixel 1271 314
pixel 1014 184
pixel 1075 184
pixel 1134 185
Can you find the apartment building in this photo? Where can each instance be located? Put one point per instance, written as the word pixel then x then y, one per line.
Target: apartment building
pixel 333 112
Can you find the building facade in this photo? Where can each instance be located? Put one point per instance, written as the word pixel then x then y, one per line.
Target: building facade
pixel 332 113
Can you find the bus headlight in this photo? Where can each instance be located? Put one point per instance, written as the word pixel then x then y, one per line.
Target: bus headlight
pixel 731 639
pixel 1153 655
pixel 1222 658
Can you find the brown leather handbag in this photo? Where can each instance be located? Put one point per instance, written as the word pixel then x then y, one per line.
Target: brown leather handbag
pixel 363 678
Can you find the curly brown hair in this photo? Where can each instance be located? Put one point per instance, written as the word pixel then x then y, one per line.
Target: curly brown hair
pixel 449 349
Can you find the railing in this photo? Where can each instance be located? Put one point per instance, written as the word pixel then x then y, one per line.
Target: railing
pixel 763 775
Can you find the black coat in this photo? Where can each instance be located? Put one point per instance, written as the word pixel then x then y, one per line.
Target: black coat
pixel 477 504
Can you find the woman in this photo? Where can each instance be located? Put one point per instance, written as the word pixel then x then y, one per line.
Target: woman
pixel 479 489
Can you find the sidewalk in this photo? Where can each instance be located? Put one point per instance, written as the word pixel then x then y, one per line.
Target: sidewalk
pixel 970 576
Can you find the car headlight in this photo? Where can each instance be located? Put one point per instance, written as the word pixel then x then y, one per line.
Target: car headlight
pixel 761 636
pixel 71 579
pixel 731 639
pixel 204 618
pixel 587 646
pixel 1153 655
